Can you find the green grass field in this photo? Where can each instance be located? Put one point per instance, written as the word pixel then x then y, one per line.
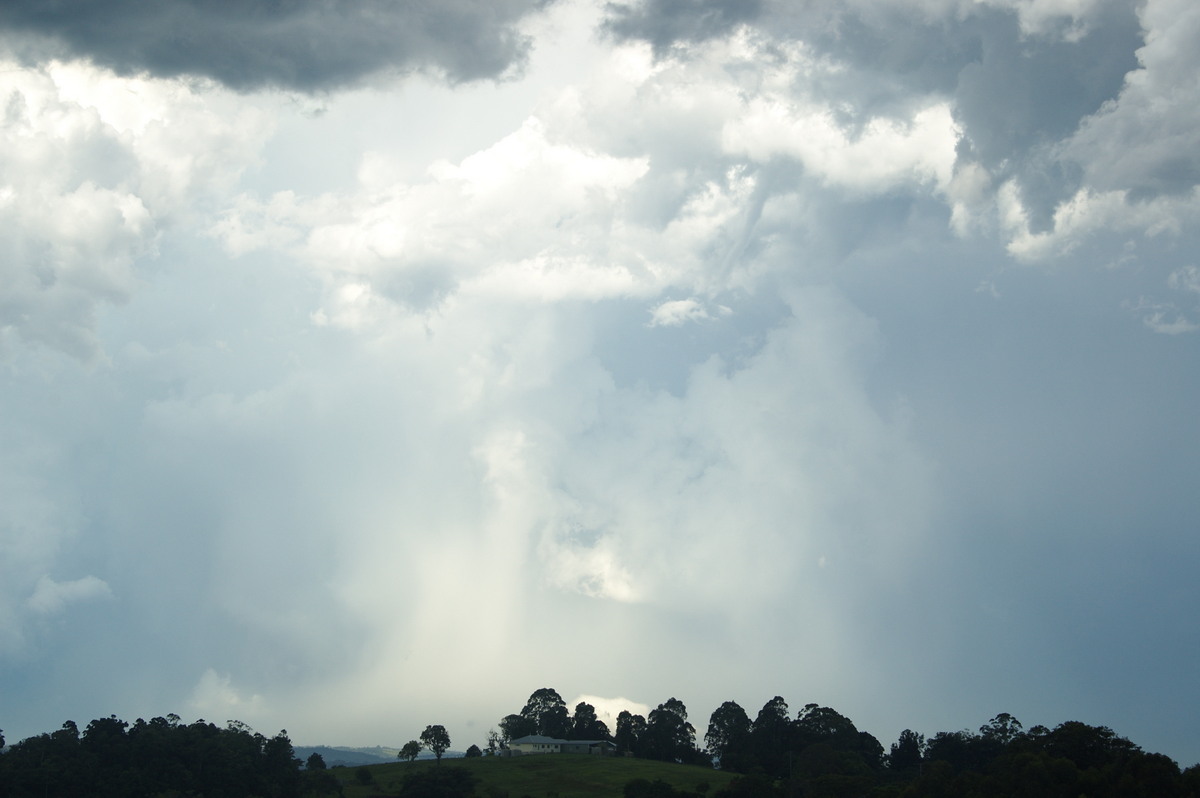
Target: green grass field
pixel 558 775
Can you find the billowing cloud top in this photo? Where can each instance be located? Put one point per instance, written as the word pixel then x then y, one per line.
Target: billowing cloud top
pixel 844 352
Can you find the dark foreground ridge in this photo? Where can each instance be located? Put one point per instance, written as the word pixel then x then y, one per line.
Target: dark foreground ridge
pixel 538 752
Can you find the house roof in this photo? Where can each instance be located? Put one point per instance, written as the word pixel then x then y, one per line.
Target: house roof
pixel 536 739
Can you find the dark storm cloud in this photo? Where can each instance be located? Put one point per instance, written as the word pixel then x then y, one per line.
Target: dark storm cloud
pixel 1148 141
pixel 666 22
pixel 1015 93
pixel 1026 94
pixel 297 44
pixel 1022 91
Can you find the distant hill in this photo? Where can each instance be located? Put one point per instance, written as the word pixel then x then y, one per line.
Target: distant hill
pixel 335 755
pixel 340 755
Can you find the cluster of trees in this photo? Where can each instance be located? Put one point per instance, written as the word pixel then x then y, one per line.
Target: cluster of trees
pixel 546 713
pixel 1002 759
pixel 774 742
pixel 435 738
pixel 819 752
pixel 150 758
pixel 665 735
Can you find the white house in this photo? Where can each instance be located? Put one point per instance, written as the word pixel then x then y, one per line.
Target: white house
pixel 536 744
pixel 539 744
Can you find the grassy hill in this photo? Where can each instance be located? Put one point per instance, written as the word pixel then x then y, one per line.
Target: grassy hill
pixel 561 775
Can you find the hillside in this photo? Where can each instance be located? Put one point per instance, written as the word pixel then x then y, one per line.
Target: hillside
pixel 564 775
pixel 343 755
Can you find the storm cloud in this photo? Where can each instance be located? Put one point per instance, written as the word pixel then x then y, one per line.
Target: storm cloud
pixel 844 352
pixel 305 45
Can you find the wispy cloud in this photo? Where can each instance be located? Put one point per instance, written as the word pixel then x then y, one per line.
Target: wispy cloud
pixel 50 597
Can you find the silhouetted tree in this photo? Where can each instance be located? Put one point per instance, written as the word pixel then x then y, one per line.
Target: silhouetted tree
pixel 1190 780
pixel 630 731
pixel 817 724
pixel 770 736
pixel 586 726
pixel 514 727
pixel 1087 746
pixel 668 736
pixel 156 758
pixel 825 756
pixel 1002 729
pixel 906 752
pixel 436 739
pixel 728 737
pixel 547 709
pixel 958 749
pixel 410 750
pixel 280 765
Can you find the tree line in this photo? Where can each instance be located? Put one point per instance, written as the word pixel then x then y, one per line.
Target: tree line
pixel 160 757
pixel 820 753
pixel 816 753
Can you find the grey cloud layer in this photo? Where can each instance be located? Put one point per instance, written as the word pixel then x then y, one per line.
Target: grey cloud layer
pixel 666 22
pixel 1016 92
pixel 737 352
pixel 298 44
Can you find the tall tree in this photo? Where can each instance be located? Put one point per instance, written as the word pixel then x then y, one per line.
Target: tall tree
pixel 728 737
pixel 514 727
pixel 104 741
pixel 668 735
pixel 630 731
pixel 959 749
pixel 907 751
pixel 410 750
pixel 1087 746
pixel 547 709
pixel 1002 729
pixel 586 726
pixel 279 764
pixel 555 722
pixel 818 724
pixel 436 739
pixel 771 737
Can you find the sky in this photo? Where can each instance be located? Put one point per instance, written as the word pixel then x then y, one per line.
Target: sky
pixel 371 366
